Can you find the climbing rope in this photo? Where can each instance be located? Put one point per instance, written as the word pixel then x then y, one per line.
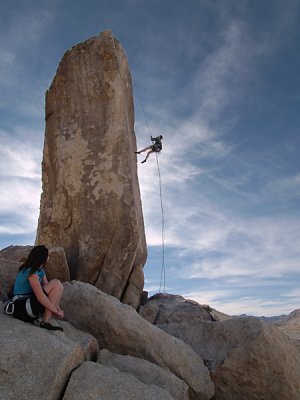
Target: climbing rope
pixel 141 104
pixel 163 270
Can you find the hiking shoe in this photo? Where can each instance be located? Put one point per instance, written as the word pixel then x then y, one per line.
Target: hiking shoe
pixel 47 325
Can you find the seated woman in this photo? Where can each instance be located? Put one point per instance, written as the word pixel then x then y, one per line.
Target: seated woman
pixel 33 295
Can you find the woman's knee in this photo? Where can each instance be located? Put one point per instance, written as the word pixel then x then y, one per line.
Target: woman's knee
pixel 55 284
pixel 58 284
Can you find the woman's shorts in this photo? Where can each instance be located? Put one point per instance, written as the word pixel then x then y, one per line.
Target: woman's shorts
pixel 28 309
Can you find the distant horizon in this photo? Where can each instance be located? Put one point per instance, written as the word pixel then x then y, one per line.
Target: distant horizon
pixel 220 81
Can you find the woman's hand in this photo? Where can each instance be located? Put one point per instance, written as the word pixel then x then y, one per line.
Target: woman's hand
pixel 60 313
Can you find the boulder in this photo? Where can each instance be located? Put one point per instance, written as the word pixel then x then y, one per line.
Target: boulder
pixel 95 381
pixel 87 342
pixel 34 363
pixel 8 272
pixel 146 372
pixel 217 315
pixel 120 329
pixel 249 359
pixel 90 203
pixel 57 265
pixel 164 308
pixel 290 325
pixel 16 253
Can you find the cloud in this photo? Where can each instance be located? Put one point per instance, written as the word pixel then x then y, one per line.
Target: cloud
pixel 256 247
pixel 20 160
pixel 19 206
pixel 20 181
pixel 287 186
pixel 226 301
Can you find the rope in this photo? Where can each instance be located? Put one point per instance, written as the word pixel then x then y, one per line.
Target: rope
pixel 163 270
pixel 141 104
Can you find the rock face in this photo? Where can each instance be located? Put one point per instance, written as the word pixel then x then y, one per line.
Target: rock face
pixel 146 372
pixel 90 204
pixel 34 363
pixel 290 325
pixel 93 382
pixel 8 272
pixel 57 265
pixel 122 330
pixel 249 359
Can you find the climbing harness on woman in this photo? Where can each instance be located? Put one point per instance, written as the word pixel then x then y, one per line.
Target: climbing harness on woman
pixel 154 148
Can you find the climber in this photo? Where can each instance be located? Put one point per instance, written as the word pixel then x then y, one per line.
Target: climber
pixel 33 295
pixel 154 148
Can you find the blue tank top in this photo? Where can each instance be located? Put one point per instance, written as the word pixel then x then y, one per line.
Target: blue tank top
pixel 22 284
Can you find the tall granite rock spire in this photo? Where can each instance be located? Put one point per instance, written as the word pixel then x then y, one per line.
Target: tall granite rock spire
pixel 90 204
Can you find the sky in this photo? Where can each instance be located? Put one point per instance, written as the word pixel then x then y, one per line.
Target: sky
pixel 219 79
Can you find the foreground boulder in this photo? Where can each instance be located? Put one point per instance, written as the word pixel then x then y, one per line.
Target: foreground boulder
pixel 88 343
pixel 36 364
pixel 249 359
pixel 121 329
pixel 90 204
pixel 146 372
pixel 95 381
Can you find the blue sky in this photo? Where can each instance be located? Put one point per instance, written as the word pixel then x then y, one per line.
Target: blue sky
pixel 220 80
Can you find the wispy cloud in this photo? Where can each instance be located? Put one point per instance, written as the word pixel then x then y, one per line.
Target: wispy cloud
pixel 20 181
pixel 226 301
pixel 286 186
pixel 20 156
pixel 256 247
pixel 19 207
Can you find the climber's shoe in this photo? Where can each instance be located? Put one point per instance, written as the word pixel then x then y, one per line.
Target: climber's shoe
pixel 47 325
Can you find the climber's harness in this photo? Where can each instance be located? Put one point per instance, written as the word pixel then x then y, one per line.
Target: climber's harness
pixel 9 305
pixel 157 147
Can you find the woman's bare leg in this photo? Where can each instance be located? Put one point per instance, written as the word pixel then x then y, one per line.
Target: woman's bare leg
pixel 146 148
pixel 54 290
pixel 148 154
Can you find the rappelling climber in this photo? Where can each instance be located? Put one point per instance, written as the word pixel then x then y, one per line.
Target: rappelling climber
pixel 156 147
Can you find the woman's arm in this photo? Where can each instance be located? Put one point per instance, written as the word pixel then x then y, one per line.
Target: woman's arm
pixel 40 295
pixel 44 280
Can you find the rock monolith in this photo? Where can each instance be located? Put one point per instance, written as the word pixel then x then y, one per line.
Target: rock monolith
pixel 90 204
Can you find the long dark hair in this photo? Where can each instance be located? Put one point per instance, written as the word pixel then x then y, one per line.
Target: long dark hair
pixel 36 258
